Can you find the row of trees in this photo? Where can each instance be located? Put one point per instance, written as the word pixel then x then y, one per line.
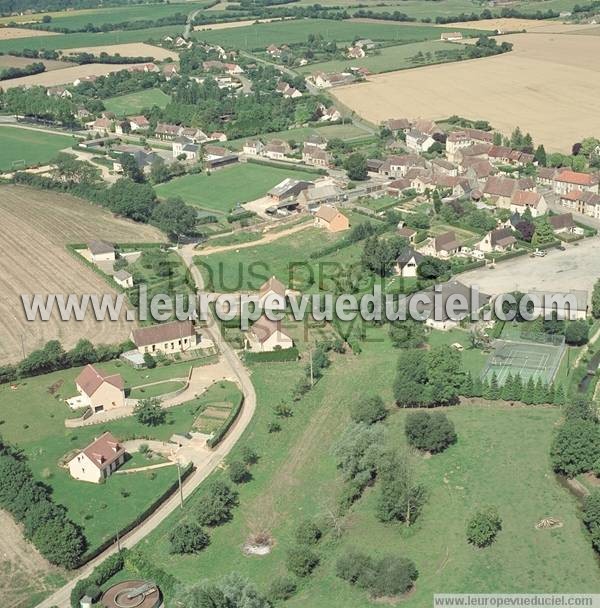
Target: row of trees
pixel 45 523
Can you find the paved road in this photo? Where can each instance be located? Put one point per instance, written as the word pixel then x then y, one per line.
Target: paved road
pixel 61 597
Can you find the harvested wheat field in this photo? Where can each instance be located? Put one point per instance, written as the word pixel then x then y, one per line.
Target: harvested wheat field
pixel 66 75
pixel 226 25
pixel 9 61
pixel 510 24
pixel 132 49
pixel 35 226
pixel 533 87
pixel 10 33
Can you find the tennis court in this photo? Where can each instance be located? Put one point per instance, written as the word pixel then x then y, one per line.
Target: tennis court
pixel 529 359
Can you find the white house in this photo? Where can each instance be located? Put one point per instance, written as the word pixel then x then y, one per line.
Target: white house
pixel 98 390
pixel 167 338
pixel 123 278
pixel 272 295
pixel 267 336
pixel 407 263
pixel 98 460
pixel 101 251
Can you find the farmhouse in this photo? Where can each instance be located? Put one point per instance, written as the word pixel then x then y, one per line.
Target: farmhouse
pixel 170 70
pixel 277 149
pixel 144 160
pixel 525 199
pixel 396 187
pixel 545 176
pixel 315 156
pixel 332 219
pixel 439 165
pixel 406 233
pixel 138 122
pixel 326 81
pixel 355 52
pixel 500 190
pixel 500 239
pixel 98 460
pixel 459 140
pixel 266 336
pixel 272 295
pixel 398 166
pixel 418 141
pixel 443 246
pixel 407 262
pixel 253 147
pixel 398 125
pixel 166 338
pixel 166 131
pixel 101 126
pixel 566 181
pixel 58 92
pixel 330 114
pixel 101 251
pixel 99 390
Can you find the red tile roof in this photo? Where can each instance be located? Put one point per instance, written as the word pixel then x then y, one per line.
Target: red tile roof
pixel 573 177
pixel 90 380
pixel 104 451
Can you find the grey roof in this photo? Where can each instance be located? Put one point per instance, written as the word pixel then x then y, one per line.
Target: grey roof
pixel 100 247
pixel 122 275
pixel 407 255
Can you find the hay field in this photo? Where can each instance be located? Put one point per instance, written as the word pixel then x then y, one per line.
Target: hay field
pixel 35 226
pixel 131 49
pixel 10 33
pixel 534 87
pixel 66 75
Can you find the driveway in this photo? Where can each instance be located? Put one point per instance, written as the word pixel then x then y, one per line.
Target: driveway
pixel 574 268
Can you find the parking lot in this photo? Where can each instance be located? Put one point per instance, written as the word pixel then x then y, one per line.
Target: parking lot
pixel 578 267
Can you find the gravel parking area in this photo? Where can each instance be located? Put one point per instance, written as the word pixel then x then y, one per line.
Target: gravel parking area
pixel 578 267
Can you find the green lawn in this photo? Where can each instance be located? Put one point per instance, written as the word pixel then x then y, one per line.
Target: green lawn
pixel 259 36
pixel 501 458
pixel 388 59
pixel 156 390
pixel 222 190
pixel 32 416
pixel 135 102
pixel 33 147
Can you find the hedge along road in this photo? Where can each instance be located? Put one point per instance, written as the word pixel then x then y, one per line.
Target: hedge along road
pixel 62 596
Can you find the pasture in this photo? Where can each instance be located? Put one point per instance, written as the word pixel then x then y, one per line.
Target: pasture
pixel 279 32
pixel 35 226
pixel 514 89
pixel 493 442
pixel 34 147
pixel 135 102
pixel 222 190
pixel 387 59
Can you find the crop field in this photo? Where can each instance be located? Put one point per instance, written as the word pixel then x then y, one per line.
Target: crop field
pixel 12 33
pixel 517 88
pixel 53 41
pixel 494 441
pixel 135 102
pixel 279 32
pixel 132 49
pixel 222 190
pixel 29 145
pixel 389 58
pixel 9 61
pixel 35 226
pixel 65 76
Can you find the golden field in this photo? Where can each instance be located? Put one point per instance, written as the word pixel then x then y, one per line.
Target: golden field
pixel 533 87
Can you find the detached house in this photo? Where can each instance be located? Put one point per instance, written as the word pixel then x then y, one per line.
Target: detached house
pixel 253 147
pixel 98 460
pixel 266 336
pixel 526 199
pixel 166 338
pixel 99 390
pixel 272 295
pixel 564 223
pixel 500 239
pixel 443 246
pixel 332 219
pixel 138 122
pixel 315 156
pixel 101 251
pixel 398 125
pixel 407 263
pixel 418 141
pixel 277 149
pixel 501 189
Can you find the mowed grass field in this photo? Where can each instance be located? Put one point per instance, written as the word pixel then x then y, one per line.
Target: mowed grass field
pixel 515 89
pixel 222 190
pixel 35 227
pixel 135 102
pixel 33 147
pixel 501 459
pixel 259 36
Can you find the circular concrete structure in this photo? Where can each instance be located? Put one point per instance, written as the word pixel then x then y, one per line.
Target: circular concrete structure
pixel 132 594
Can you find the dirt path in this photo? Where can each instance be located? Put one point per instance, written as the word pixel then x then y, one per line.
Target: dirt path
pixel 269 238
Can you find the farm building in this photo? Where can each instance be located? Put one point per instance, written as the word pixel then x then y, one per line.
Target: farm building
pixel 332 219
pixel 101 251
pixel 123 278
pixel 98 460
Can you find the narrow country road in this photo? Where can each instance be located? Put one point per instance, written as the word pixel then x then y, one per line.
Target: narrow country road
pixel 61 597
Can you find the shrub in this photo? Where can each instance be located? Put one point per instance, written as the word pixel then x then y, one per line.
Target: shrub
pixel 249 456
pixel 355 568
pixel 149 361
pixel 308 533
pixel 238 473
pixel 483 527
pixel 282 588
pixel 215 506
pixel 576 447
pixel 368 409
pixel 302 560
pixel 188 538
pixel 432 432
